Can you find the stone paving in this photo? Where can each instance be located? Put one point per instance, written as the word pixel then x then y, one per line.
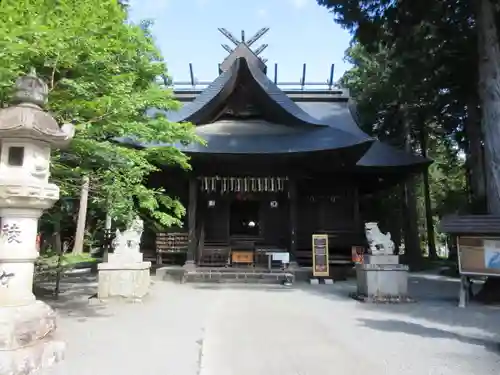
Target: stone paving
pixel 251 330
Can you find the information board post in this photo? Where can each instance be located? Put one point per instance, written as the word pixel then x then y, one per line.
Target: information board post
pixel 478 247
pixel 479 256
pixel 321 267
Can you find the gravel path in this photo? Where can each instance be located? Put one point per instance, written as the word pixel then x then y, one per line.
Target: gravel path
pixel 251 330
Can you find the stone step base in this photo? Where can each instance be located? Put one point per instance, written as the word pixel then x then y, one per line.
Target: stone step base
pixel 315 281
pixel 32 359
pixel 389 299
pixel 238 277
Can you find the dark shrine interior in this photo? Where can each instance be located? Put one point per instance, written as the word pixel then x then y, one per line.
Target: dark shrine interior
pixel 244 217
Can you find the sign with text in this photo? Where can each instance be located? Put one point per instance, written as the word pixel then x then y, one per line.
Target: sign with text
pixel 479 255
pixel 320 255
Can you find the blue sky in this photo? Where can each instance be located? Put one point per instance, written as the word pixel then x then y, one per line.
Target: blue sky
pixel 300 32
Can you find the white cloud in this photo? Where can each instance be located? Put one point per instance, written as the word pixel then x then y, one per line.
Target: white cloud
pixel 299 4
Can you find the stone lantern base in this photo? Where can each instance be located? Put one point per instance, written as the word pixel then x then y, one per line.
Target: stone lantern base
pixel 26 342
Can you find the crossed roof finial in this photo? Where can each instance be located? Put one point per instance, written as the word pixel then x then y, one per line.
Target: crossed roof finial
pixel 259 34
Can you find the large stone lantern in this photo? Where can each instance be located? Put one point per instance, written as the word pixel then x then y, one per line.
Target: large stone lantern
pixel 27 134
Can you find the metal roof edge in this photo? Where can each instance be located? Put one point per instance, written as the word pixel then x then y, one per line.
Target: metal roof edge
pixel 340 95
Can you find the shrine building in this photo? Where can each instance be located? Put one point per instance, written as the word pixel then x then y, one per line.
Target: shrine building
pixel 279 165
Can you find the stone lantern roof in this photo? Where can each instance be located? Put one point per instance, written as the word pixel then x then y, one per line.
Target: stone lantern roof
pixel 27 119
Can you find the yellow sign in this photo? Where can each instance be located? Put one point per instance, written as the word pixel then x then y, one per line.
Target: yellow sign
pixel 321 265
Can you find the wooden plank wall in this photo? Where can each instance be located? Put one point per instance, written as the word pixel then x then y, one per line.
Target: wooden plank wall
pixel 275 224
pixel 323 214
pixel 217 222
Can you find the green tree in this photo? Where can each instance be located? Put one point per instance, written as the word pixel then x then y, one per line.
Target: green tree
pixel 407 59
pixel 446 47
pixel 101 71
pixel 377 84
pixel 451 51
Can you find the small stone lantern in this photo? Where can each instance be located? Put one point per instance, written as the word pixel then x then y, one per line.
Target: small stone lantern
pixel 27 134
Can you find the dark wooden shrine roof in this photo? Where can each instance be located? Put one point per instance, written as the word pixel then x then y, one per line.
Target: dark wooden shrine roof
pixel 470 224
pixel 277 106
pixel 301 123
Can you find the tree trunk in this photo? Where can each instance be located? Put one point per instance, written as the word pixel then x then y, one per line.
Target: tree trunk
pixel 57 238
pixel 82 215
pixel 431 239
pixel 489 94
pixel 475 157
pixel 413 252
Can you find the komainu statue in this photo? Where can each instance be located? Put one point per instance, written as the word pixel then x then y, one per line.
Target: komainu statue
pixel 129 241
pixel 379 243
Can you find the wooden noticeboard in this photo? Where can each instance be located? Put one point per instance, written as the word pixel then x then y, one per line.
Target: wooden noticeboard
pixel 479 255
pixel 171 242
pixel 321 266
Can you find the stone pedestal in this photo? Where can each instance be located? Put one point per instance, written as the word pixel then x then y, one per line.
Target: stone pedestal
pixel 125 280
pixel 125 274
pixel 26 342
pixel 380 278
pixel 26 325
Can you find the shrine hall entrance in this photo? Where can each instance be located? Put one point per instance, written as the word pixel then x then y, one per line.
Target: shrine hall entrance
pixel 242 221
pixel 244 217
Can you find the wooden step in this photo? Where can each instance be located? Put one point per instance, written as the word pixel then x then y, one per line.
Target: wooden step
pixel 238 276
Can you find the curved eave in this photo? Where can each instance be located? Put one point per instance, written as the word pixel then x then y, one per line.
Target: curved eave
pixel 309 141
pixel 274 144
pixel 383 158
pixel 201 109
pixel 336 112
pixel 205 103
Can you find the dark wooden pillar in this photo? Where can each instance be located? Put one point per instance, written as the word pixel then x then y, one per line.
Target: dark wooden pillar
pixel 322 207
pixel 292 193
pixel 357 217
pixel 192 240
